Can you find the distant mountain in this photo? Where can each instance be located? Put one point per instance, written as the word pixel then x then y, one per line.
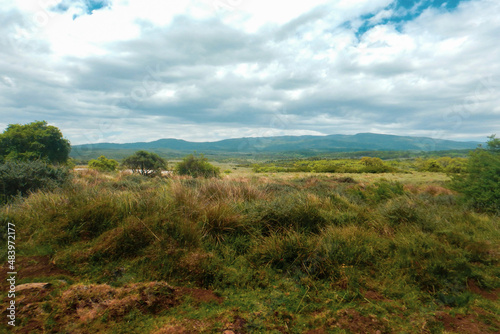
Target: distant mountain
pixel 313 144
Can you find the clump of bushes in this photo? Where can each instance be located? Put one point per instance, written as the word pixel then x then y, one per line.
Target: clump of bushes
pixel 21 178
pixel 197 167
pixel 103 164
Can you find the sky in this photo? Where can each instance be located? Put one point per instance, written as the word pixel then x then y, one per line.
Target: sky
pixel 205 70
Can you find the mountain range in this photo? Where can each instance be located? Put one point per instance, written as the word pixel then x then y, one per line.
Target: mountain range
pixel 313 144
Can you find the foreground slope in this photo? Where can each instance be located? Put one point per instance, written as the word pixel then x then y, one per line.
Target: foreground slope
pixel 268 254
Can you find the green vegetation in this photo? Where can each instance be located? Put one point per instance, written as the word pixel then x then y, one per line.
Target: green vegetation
pixel 197 167
pixel 296 252
pixel 257 254
pixel 363 165
pixel 22 178
pixel 480 183
pixel 103 164
pixel 145 163
pixel 34 141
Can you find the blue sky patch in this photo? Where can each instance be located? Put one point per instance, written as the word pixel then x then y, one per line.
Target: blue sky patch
pixel 406 10
pixel 87 6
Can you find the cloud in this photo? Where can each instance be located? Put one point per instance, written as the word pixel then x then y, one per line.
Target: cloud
pixel 134 70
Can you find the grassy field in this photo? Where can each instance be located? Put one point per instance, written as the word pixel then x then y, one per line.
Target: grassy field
pixel 254 253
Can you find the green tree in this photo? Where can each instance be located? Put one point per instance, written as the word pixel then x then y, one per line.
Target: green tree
pixel 480 184
pixel 145 163
pixel 34 141
pixel 197 166
pixel 493 144
pixel 103 164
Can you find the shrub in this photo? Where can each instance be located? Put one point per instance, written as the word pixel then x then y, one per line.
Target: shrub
pixel 145 163
pixel 21 178
pixel 481 182
pixel 103 164
pixel 375 165
pixel 197 166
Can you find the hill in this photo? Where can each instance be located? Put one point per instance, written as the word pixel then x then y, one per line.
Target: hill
pixel 308 145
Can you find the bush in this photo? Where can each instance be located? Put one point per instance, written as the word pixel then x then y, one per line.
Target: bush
pixel 21 178
pixel 481 182
pixel 103 164
pixel 197 166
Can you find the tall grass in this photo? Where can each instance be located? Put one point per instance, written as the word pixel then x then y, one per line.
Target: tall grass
pixel 408 243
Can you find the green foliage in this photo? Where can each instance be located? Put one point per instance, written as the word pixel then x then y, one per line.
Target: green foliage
pixel 21 178
pixel 442 164
pixel 493 144
pixel 103 164
pixel 145 163
pixel 481 182
pixel 197 167
pixel 365 165
pixel 34 141
pixel 375 165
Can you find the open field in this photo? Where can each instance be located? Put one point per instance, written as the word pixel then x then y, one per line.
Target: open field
pixel 254 253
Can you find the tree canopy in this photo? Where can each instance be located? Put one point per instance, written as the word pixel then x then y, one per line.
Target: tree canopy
pixel 34 141
pixel 145 163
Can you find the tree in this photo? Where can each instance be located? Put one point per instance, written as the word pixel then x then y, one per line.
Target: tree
pixel 493 144
pixel 103 164
pixel 145 163
pixel 34 141
pixel 481 182
pixel 195 167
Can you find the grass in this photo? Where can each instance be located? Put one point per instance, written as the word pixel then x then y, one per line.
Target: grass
pixel 273 253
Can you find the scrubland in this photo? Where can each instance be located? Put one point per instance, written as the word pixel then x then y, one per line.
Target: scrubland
pixel 254 253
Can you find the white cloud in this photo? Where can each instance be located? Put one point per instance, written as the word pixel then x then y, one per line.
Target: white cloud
pixel 227 66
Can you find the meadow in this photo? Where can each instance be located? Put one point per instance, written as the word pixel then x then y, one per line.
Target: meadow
pixel 254 252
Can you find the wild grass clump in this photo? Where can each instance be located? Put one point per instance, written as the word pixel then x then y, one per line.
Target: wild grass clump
pixel 220 219
pixel 296 211
pixel 406 211
pixel 288 250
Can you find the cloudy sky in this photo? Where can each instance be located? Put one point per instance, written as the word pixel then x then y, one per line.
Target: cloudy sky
pixel 141 70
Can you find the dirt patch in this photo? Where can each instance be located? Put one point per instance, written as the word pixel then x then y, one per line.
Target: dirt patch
pixel 88 302
pixel 80 304
pixel 469 324
pixel 354 322
pixel 29 298
pixel 34 267
pixel 199 295
pixel 490 295
pixel 237 326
